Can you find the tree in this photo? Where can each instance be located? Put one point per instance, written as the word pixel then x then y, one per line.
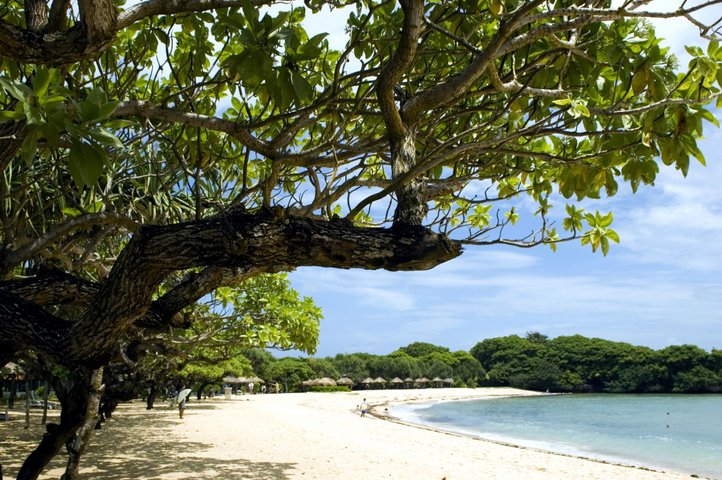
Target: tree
pixel 421 349
pixel 289 373
pixel 155 152
pixel 323 367
pixel 352 365
pixel 467 369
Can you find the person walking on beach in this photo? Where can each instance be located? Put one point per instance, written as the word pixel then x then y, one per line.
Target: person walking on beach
pixel 364 407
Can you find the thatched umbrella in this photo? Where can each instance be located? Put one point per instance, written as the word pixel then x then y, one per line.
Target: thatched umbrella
pixel 11 368
pixel 379 380
pixel 345 381
pixel 231 379
pixel 409 381
pixel 367 381
pixel 397 382
pixel 421 381
pixel 256 380
pixel 325 382
pixel 438 382
pixel 448 381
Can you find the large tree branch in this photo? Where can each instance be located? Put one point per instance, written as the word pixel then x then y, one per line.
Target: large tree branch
pixel 52 288
pixel 36 15
pixel 459 84
pixel 96 31
pixel 151 8
pixel 99 20
pixel 260 240
pixel 24 323
pixel 397 66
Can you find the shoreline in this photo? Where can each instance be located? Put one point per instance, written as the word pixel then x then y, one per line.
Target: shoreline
pixel 512 443
pixel 306 436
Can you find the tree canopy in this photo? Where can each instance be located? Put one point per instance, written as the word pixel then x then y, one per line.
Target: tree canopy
pixel 153 152
pixel 580 364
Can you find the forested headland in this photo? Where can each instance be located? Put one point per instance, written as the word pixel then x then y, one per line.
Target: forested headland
pixel 534 361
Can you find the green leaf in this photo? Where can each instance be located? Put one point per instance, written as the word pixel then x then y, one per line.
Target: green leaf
pixel 51 134
pixel 33 116
pixel 604 221
pixel 29 147
pixel 694 51
pixel 106 110
pixel 639 80
pixel 104 137
pixel 605 245
pixel 42 82
pixel 496 7
pixel 71 212
pixel 85 164
pixel 612 235
pixel 303 89
pixel 114 124
pixel 10 115
pixel 13 89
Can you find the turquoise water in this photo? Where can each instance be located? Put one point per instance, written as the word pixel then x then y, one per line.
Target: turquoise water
pixel 669 432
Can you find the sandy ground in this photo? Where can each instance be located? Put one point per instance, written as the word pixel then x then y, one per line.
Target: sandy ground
pixel 301 436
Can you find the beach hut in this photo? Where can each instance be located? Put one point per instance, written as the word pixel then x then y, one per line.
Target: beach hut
pixel 438 382
pixel 345 381
pixel 448 382
pixel 325 382
pixel 367 382
pixel 421 382
pixel 397 382
pixel 13 371
pixel 409 382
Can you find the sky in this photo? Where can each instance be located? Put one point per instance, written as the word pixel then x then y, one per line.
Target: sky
pixel 662 285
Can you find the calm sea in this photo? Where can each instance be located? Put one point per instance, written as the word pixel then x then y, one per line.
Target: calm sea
pixel 671 432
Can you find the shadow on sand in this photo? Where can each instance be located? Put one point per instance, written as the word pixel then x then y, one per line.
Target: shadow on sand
pixel 136 444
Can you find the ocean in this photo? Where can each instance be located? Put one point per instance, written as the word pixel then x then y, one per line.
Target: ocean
pixel 681 433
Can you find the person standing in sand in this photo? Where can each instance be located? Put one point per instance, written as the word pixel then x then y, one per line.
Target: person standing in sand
pixel 364 407
pixel 181 407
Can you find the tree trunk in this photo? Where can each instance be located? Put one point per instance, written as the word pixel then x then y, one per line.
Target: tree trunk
pixel 27 404
pixel 78 444
pixel 74 402
pixel 411 208
pixel 13 392
pixel 46 393
pixel 151 396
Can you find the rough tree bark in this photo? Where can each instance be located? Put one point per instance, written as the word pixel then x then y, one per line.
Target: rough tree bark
pixel 411 206
pixel 76 446
pixel 267 240
pixel 74 398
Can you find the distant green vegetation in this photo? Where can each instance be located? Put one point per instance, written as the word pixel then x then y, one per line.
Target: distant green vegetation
pixel 414 361
pixel 579 364
pixel 536 362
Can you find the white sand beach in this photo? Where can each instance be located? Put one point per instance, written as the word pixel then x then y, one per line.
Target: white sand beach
pixel 303 436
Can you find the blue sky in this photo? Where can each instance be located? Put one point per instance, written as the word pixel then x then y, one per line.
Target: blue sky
pixel 661 286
